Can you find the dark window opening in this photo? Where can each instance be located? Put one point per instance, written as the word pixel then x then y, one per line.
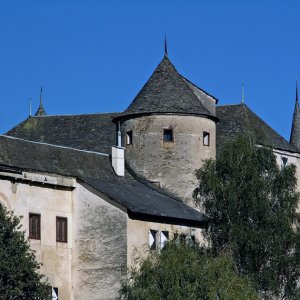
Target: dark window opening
pixel 284 161
pixel 129 137
pixel 35 226
pixel 168 135
pixel 153 239
pixel 61 229
pixel 206 138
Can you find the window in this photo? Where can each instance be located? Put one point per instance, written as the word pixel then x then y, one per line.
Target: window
pixel 205 138
pixel 54 293
pixel 164 237
pixel 168 135
pixel 61 229
pixel 284 161
pixel 35 226
pixel 129 137
pixel 153 239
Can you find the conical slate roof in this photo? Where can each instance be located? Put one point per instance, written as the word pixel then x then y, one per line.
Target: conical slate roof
pixel 295 131
pixel 167 91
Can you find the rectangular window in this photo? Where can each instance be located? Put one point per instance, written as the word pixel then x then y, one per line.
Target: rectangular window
pixel 153 239
pixel 61 229
pixel 35 226
pixel 164 237
pixel 129 137
pixel 205 138
pixel 168 135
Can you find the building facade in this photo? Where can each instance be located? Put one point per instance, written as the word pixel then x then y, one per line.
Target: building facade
pixel 96 189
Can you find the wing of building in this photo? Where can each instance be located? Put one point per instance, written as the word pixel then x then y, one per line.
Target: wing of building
pixel 95 188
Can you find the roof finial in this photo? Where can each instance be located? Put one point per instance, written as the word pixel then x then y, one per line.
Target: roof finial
pixel 41 94
pixel 243 94
pixel 30 107
pixel 297 91
pixel 166 46
pixel 41 111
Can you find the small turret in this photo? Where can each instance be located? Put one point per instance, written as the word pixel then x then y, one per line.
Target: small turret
pixel 295 131
pixel 41 111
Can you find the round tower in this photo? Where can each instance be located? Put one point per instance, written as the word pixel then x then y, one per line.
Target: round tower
pixel 168 130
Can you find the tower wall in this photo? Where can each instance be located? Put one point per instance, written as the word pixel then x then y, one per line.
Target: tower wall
pixel 170 165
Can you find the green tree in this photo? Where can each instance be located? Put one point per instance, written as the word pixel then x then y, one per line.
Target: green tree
pixel 19 277
pixel 184 272
pixel 253 203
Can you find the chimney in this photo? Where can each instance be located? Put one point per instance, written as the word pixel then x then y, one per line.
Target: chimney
pixel 117 159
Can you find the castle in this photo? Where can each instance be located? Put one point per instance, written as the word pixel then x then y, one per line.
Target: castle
pixel 95 188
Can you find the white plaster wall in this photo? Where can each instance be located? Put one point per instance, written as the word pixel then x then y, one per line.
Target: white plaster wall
pixel 171 164
pixel 138 236
pixel 24 198
pixel 100 246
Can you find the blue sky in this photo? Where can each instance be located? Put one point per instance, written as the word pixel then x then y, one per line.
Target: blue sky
pixel 94 56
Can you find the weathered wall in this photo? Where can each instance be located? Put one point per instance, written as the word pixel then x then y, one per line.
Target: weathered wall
pixel 100 246
pixel 138 236
pixel 171 164
pixel 49 202
pixel 292 158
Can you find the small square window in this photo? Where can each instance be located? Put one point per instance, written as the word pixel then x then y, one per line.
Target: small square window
pixel 168 135
pixel 129 137
pixel 206 137
pixel 61 229
pixel 35 226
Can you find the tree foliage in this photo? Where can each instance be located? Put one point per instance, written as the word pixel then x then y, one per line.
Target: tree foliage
pixel 184 272
pixel 19 277
pixel 253 202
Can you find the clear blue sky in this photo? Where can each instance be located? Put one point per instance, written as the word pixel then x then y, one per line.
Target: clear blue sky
pixel 94 56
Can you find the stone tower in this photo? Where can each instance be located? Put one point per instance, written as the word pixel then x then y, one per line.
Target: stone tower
pixel 169 129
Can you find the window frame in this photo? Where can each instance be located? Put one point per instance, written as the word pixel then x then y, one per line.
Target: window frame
pixel 59 236
pixel 129 137
pixel 33 236
pixel 206 134
pixel 168 132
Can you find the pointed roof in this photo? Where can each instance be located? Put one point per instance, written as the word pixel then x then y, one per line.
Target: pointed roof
pixel 41 111
pixel 236 120
pixel 167 91
pixel 295 130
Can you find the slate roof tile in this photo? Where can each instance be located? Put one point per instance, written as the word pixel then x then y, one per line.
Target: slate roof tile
pixel 95 169
pixel 167 91
pixel 239 119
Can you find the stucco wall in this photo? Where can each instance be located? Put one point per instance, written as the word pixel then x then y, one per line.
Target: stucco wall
pixel 292 158
pixel 100 246
pixel 49 202
pixel 171 164
pixel 138 236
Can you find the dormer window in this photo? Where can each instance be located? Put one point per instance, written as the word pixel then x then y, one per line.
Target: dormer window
pixel 129 137
pixel 206 137
pixel 168 135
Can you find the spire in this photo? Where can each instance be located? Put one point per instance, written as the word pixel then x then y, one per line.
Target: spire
pixel 30 107
pixel 243 94
pixel 41 111
pixel 295 131
pixel 166 46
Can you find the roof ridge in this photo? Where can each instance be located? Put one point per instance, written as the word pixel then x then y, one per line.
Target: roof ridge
pixel 196 86
pixel 53 145
pixel 75 115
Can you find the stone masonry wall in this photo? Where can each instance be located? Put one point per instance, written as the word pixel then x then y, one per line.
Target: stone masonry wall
pixel 171 165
